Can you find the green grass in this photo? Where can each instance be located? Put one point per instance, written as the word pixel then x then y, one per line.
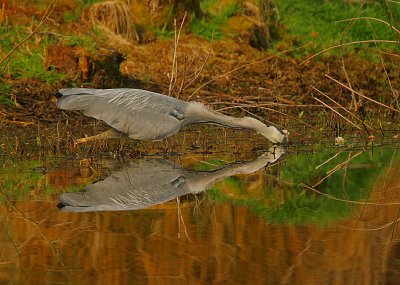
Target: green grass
pixel 86 42
pixel 5 101
pixel 162 33
pixel 5 89
pixel 28 60
pixel 316 22
pixel 211 26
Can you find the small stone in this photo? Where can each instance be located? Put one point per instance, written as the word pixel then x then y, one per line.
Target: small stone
pixel 339 141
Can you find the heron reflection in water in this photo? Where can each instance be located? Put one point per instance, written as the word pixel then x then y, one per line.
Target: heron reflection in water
pixel 149 182
pixel 145 115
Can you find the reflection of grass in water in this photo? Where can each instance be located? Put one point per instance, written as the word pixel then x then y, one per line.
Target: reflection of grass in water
pixel 300 206
pixel 20 181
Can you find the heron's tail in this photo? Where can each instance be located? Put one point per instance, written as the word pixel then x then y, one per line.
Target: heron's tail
pixel 58 95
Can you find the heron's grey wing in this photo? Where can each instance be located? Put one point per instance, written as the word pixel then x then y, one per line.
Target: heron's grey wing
pixel 141 114
pixel 137 186
pixel 141 125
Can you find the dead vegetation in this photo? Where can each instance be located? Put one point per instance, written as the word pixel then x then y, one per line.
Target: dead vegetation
pixel 115 19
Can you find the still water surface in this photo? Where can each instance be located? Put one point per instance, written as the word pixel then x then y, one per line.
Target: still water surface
pixel 277 216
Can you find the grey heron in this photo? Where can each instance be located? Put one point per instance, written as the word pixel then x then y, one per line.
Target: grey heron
pixel 146 182
pixel 145 115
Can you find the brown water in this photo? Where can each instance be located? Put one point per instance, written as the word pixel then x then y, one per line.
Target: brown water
pixel 256 224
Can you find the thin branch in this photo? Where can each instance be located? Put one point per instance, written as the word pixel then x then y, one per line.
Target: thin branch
pixel 346 200
pixel 336 112
pixel 174 72
pixel 371 18
pixel 45 18
pixel 340 106
pixel 359 94
pixel 337 167
pixel 347 44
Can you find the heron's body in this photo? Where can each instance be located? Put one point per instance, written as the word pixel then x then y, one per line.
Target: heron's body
pixel 145 115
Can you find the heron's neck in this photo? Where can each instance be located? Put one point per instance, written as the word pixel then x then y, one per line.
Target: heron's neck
pixel 198 113
pixel 201 181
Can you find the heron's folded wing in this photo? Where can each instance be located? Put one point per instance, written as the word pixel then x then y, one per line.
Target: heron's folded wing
pixel 134 99
pixel 141 114
pixel 139 124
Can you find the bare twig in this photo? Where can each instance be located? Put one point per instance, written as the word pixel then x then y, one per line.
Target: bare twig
pixel 336 112
pixel 337 167
pixel 361 95
pixel 346 200
pixel 174 71
pixel 44 18
pixel 329 159
pixel 340 106
pixel 370 18
pixel 347 44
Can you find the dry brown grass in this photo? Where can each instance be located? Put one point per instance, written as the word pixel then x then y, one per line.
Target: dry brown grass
pixel 115 18
pixel 3 16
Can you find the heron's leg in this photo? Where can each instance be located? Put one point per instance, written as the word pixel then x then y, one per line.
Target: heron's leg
pixel 109 134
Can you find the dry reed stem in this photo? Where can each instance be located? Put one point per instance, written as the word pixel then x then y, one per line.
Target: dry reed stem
pixel 346 200
pixel 18 123
pixel 180 219
pixel 329 159
pixel 348 27
pixel 346 44
pixel 174 72
pixel 195 75
pixel 45 17
pixel 336 112
pixel 388 77
pixel 337 167
pixel 373 229
pixel 340 106
pixel 390 83
pixel 25 218
pixel 3 16
pixel 361 95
